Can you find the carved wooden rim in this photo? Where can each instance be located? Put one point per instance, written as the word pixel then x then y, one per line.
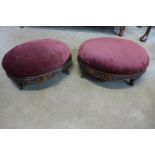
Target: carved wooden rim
pixel 105 75
pixel 41 77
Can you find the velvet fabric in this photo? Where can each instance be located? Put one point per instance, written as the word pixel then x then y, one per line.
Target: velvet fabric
pixel 35 58
pixel 114 55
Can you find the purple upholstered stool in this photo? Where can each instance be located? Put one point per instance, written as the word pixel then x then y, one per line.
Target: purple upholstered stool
pixel 37 60
pixel 113 59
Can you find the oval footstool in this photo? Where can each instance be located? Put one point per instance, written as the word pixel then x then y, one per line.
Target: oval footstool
pixel 113 59
pixel 36 61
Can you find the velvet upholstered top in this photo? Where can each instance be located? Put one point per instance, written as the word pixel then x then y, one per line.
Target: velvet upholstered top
pixel 35 58
pixel 114 55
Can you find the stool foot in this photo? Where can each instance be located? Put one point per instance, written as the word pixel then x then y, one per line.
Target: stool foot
pixel 82 76
pixel 66 71
pixel 21 86
pixel 131 82
pixel 82 73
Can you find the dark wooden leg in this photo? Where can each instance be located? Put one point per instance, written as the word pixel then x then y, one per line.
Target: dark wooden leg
pixel 131 82
pixel 20 85
pixel 66 70
pixel 121 32
pixel 82 73
pixel 145 36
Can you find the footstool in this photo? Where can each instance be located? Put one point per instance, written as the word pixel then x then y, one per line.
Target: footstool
pixel 36 61
pixel 113 59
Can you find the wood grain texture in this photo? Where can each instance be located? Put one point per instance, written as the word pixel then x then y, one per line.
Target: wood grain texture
pixel 21 81
pixel 105 76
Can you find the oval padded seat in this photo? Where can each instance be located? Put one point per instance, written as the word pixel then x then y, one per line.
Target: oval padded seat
pixel 35 58
pixel 36 61
pixel 114 55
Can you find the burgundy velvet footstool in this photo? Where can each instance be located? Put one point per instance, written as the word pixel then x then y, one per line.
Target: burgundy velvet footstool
pixel 36 61
pixel 113 59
